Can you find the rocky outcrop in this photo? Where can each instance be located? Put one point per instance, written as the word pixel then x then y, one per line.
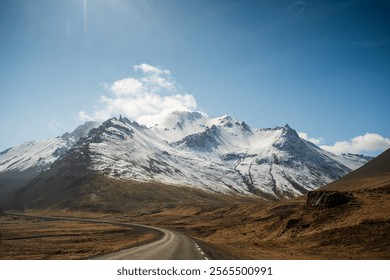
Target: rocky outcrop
pixel 328 199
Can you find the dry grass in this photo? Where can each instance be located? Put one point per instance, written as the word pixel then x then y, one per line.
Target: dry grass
pixel 26 238
pixel 289 229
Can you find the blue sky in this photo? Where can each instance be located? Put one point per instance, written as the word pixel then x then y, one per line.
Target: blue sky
pixel 323 67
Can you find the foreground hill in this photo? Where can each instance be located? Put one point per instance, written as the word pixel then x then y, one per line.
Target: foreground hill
pixel 373 175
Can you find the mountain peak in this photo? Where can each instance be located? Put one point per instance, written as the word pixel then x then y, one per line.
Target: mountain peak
pixel 245 127
pixel 225 117
pixel 289 130
pixel 189 149
pixel 80 131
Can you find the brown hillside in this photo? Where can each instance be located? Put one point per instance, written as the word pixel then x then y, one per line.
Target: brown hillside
pixel 374 174
pixel 348 219
pixel 98 193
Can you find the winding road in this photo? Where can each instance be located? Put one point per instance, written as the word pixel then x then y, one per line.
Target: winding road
pixel 171 246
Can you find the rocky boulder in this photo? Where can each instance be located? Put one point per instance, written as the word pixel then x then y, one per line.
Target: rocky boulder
pixel 328 199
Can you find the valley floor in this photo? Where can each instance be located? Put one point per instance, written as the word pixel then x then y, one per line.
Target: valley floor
pixel 24 238
pixel 358 228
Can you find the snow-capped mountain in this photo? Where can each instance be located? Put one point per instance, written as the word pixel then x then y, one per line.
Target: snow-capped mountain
pixel 220 155
pixel 20 164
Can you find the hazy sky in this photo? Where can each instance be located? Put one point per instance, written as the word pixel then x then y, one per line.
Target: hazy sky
pixel 323 67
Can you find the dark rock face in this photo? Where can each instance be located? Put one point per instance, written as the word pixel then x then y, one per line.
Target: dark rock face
pixel 1 211
pixel 328 199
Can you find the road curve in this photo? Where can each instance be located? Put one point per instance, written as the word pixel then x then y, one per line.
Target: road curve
pixel 171 246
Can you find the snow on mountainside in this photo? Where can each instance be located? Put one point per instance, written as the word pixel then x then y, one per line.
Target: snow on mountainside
pixel 191 149
pixel 20 164
pixel 124 149
pixel 41 154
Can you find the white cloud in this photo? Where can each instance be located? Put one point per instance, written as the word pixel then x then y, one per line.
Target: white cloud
pixel 149 69
pixel 316 141
pixel 368 142
pixel 155 78
pixel 145 99
pixel 128 86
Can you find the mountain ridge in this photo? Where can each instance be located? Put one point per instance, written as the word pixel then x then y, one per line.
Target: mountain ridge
pixel 219 155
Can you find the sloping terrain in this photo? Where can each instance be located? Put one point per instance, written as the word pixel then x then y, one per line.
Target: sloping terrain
pixel 19 165
pixel 348 219
pixel 375 174
pixel 96 193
